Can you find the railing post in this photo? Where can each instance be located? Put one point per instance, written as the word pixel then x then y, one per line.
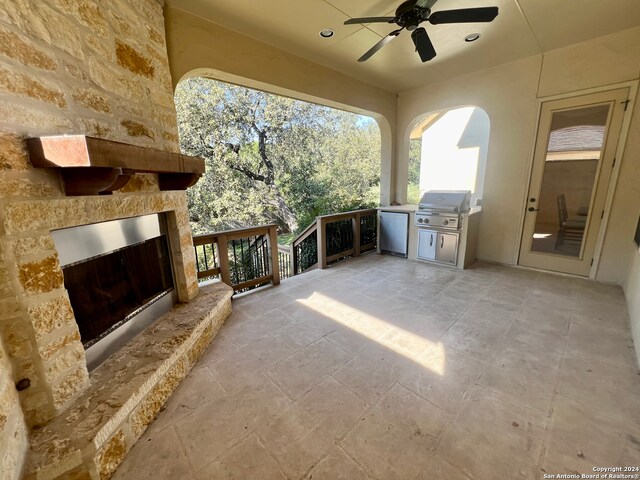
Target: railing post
pixel 292 260
pixel 356 234
pixel 275 264
pixel 322 242
pixel 223 252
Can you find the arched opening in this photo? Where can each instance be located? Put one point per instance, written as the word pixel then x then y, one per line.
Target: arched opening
pixel 448 151
pixel 272 158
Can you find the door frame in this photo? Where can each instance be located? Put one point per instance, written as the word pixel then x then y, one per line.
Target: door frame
pixel 613 181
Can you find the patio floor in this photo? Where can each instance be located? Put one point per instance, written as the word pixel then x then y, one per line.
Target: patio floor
pixel 382 368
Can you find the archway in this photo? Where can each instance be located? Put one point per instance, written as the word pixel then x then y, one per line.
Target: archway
pixel 448 151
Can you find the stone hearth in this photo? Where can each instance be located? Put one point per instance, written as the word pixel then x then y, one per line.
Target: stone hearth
pixel 92 437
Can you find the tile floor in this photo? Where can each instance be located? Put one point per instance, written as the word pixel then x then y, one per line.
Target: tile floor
pixel 382 368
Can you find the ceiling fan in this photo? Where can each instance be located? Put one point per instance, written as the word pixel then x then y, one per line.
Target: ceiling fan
pixel 411 13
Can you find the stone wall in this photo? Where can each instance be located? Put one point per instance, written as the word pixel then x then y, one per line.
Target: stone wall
pixel 70 67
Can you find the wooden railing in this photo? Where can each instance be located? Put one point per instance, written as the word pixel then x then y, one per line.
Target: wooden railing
pixel 346 235
pixel 243 258
pixel 285 261
pixel 333 237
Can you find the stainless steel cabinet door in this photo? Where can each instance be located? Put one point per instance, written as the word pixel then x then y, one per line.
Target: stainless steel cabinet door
pixel 394 231
pixel 427 241
pixel 447 248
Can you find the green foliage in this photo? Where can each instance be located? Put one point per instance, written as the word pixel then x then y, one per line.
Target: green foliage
pixel 273 159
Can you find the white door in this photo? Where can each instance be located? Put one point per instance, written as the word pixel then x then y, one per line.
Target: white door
pixel 573 160
pixel 427 241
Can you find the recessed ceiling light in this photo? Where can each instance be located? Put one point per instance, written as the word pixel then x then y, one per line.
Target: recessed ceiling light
pixel 472 37
pixel 326 33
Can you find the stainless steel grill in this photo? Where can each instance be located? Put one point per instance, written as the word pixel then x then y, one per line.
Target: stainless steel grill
pixel 442 208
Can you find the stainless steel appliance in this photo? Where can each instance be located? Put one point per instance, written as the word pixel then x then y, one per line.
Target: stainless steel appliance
pixel 442 209
pixel 394 233
pixel 439 217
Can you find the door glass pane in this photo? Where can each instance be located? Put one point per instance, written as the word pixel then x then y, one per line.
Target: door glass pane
pixel 572 157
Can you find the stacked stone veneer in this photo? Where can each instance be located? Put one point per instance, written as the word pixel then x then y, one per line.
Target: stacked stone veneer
pixel 70 67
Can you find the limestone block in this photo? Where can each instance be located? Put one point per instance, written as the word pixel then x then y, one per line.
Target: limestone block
pixel 95 128
pixel 153 402
pixel 13 445
pixel 31 87
pixel 170 136
pixel 155 36
pixel 13 154
pixel 92 99
pixel 124 85
pixel 25 216
pixel 62 32
pixel 67 357
pixel 133 60
pixel 111 455
pixel 75 71
pixel 37 121
pixel 50 349
pixel 29 245
pixel 10 308
pixel 70 386
pixel 137 129
pixel 30 184
pixel 195 352
pixel 40 276
pixel 6 287
pixel 16 339
pixel 90 14
pixel 26 52
pixel 52 315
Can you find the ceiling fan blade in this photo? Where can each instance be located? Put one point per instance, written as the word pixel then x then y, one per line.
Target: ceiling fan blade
pixel 379 45
pixel 465 15
pixel 354 21
pixel 423 44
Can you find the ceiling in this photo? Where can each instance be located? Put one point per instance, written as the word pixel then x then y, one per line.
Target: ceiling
pixel 522 28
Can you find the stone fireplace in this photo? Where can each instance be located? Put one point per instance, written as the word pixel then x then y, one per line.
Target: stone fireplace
pixel 86 422
pixel 98 69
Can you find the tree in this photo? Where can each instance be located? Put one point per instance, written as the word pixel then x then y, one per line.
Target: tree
pixel 271 158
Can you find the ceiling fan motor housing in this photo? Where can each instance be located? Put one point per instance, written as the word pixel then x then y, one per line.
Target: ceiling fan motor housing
pixel 409 15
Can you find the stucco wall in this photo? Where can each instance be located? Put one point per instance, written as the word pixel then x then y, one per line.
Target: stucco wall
pixel 197 47
pixel 509 94
pixel 632 293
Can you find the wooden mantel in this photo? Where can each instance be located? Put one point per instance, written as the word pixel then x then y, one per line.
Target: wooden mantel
pixel 92 166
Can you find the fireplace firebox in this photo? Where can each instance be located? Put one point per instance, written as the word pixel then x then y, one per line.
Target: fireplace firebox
pixel 119 278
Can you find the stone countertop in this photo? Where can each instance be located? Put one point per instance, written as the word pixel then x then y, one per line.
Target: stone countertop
pixel 411 208
pixel 399 208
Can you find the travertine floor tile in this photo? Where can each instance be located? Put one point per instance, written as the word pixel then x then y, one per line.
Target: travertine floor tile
pixel 337 466
pixel 248 460
pixel 380 368
pixel 309 428
pixel 300 372
pixel 157 455
pixel 395 438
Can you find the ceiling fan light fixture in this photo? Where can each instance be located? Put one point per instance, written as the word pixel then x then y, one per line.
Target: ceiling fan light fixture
pixel 326 33
pixel 472 37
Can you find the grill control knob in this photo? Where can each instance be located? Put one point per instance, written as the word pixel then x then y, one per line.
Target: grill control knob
pixel 420 220
pixel 446 222
pixel 426 220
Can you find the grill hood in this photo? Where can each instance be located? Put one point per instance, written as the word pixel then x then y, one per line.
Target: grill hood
pixel 454 201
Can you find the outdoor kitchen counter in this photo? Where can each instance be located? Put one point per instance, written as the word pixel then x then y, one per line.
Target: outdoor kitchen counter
pixel 467 244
